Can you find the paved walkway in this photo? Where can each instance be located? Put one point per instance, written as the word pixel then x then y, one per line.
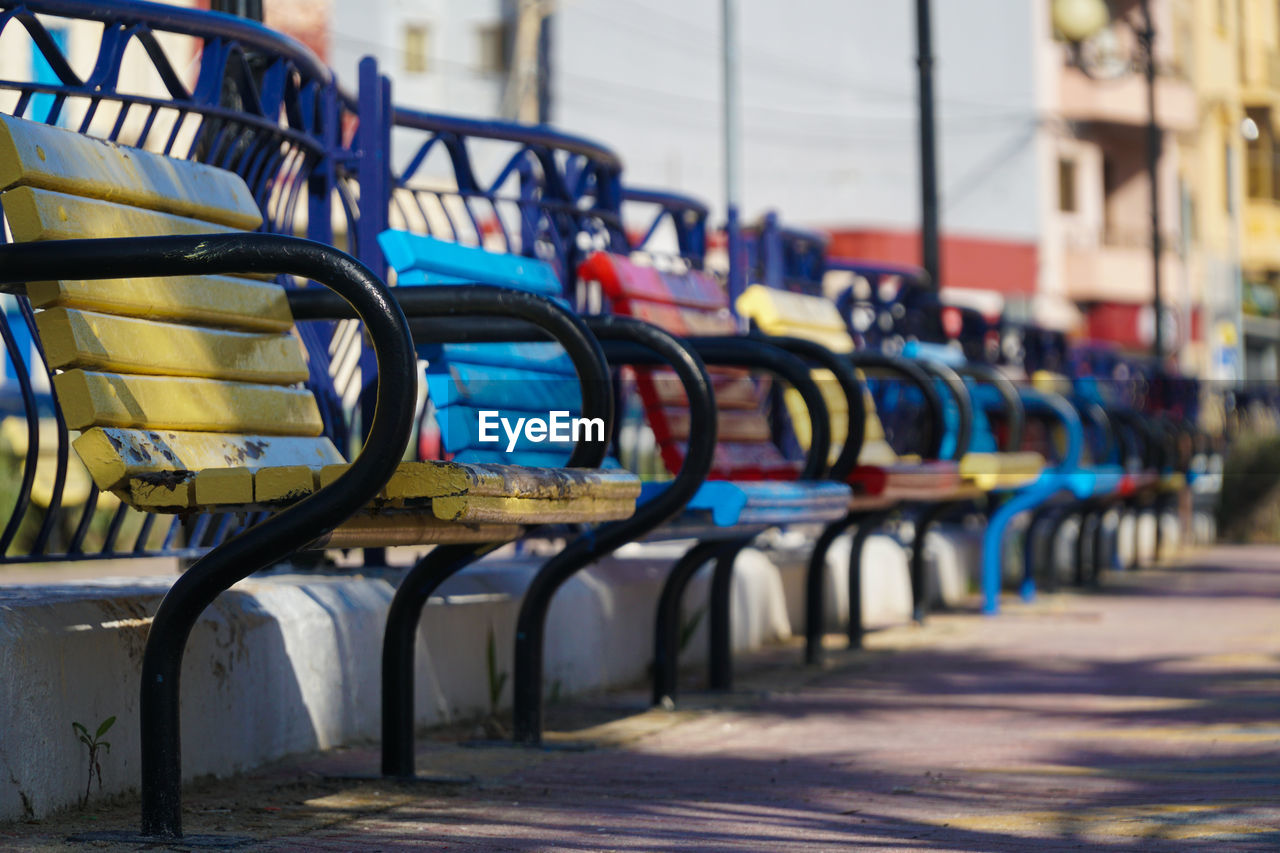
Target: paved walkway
pixel 1146 718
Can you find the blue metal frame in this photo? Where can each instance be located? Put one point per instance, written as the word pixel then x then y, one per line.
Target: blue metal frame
pixel 262 106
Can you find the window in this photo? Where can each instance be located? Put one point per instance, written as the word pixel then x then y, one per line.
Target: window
pixel 416 37
pixel 493 56
pixel 1066 185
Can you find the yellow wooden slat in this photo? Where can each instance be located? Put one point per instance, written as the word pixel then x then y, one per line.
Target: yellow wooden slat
pixel 514 510
pixel 222 301
pixel 206 405
pixel 797 315
pixel 112 455
pixel 432 479
pixel 285 483
pixel 1001 470
pixel 45 157
pixel 47 215
pixel 385 529
pixel 222 487
pixel 125 345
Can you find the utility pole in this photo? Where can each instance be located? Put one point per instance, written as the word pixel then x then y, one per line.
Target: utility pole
pixel 729 56
pixel 1147 38
pixel 928 146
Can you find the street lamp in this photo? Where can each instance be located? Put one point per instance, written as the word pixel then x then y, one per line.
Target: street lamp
pixel 1079 20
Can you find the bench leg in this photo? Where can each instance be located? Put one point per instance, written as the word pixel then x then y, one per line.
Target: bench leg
pixel 666 630
pixel 719 626
pixel 1086 550
pixel 399 642
pixel 815 585
pixel 1056 520
pixel 993 541
pixel 1032 550
pixel 867 525
pixel 158 705
pixel 919 594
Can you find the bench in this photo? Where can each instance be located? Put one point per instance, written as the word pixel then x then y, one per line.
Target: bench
pixel 179 369
pixel 751 483
pixel 517 379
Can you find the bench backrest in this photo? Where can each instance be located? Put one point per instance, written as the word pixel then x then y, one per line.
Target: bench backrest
pixel 691 303
pixel 516 380
pixel 163 377
pixel 815 318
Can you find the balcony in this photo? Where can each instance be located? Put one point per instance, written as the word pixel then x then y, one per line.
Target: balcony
pixel 1260 247
pixel 1124 100
pixel 1117 272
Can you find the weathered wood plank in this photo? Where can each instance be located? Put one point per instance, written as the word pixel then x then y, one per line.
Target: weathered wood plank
pixel 94 341
pixel 112 455
pixel 52 158
pixel 493 509
pixel 1001 470
pixel 432 479
pixel 221 301
pixel 91 399
pixel 46 215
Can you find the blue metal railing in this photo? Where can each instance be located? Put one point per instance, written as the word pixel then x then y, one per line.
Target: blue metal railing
pixel 254 102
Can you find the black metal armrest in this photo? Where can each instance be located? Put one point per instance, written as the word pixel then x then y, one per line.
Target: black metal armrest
pixel 850 386
pixel 761 355
pixel 918 377
pixel 1015 412
pixel 959 392
pixel 756 354
pixel 476 314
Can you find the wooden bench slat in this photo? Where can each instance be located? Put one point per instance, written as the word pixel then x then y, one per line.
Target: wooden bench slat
pixel 1001 470
pixel 520 510
pixel 101 342
pixel 113 455
pixel 47 215
pixel 92 399
pixel 53 158
pixel 221 301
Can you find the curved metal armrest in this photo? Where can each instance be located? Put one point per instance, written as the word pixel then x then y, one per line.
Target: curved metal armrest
pixel 754 353
pixel 917 376
pixel 1059 407
pixel 627 340
pixel 850 386
pixel 760 355
pixel 1015 412
pixel 1140 429
pixel 960 396
pixel 1093 412
pixel 452 314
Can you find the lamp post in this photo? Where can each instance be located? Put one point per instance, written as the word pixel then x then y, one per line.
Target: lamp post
pixel 1078 20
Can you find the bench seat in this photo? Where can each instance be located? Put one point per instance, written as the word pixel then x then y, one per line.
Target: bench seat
pixel 1001 471
pixel 767 503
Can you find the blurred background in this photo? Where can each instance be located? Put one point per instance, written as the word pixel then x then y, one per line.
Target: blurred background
pixel 1053 120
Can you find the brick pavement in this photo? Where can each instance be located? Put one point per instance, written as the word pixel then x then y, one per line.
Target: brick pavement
pixel 1145 718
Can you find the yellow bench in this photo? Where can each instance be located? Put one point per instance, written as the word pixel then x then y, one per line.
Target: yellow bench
pixel 186 390
pixel 777 312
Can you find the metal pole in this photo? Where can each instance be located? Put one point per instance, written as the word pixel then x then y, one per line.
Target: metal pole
pixel 1148 39
pixel 729 54
pixel 928 146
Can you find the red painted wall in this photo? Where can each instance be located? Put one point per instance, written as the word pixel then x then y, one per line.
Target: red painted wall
pixel 1001 265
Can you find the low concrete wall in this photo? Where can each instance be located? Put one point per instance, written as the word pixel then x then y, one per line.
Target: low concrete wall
pixel 286 664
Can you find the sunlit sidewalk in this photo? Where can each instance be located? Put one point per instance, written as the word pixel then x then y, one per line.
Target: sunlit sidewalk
pixel 1143 718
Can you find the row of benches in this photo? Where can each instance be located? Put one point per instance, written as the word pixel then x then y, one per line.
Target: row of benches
pixel 185 389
